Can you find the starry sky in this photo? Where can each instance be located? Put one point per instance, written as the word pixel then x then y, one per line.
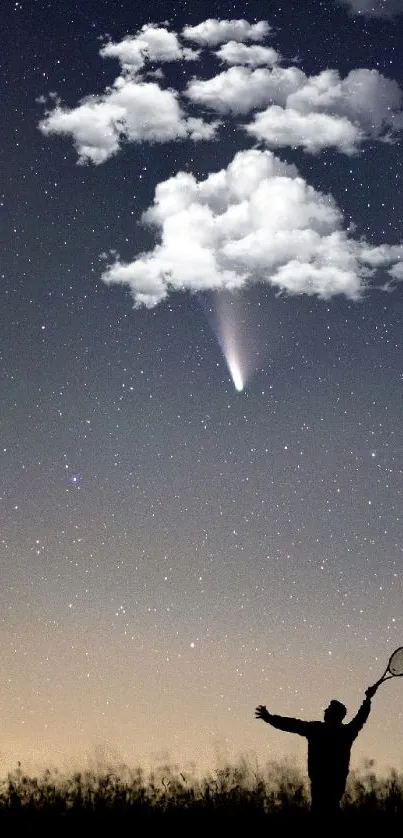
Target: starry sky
pixel 201 442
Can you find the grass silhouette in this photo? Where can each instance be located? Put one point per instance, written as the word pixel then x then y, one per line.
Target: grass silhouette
pixel 231 797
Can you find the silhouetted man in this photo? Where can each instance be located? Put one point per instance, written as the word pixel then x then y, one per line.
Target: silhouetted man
pixel 329 746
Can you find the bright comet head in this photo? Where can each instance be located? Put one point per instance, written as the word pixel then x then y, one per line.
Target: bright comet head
pixel 235 374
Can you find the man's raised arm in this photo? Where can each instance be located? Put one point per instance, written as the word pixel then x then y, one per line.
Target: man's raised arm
pixel 282 722
pixel 358 722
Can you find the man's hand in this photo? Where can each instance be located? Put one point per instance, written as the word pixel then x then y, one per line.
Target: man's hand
pixel 262 712
pixel 370 692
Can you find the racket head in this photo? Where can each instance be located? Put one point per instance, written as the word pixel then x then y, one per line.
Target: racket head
pixel 395 665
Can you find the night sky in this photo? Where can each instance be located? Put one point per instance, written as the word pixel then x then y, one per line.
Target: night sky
pixel 201 434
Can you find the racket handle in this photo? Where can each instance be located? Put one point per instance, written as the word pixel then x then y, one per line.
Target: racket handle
pixel 378 683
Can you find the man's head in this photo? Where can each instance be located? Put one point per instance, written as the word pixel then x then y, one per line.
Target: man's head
pixel 335 712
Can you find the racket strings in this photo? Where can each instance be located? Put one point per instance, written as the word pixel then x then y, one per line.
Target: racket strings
pixel 396 662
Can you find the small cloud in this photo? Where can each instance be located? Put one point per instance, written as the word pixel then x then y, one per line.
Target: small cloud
pixel 93 126
pixel 212 32
pixel 155 74
pixel 152 43
pixel 396 272
pixel 240 90
pixel 200 130
pixel 280 127
pixel 253 56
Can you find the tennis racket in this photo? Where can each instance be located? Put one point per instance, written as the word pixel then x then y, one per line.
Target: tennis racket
pixel 394 668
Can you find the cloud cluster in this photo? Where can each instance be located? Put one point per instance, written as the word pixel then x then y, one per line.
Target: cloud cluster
pixel 286 107
pixel 135 109
pixel 312 112
pixel 132 109
pixel 256 221
pixel 374 8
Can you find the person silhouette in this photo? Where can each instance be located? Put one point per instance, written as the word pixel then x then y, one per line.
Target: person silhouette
pixel 329 747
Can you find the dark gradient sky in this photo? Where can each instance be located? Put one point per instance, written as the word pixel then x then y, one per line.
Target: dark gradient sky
pixel 173 552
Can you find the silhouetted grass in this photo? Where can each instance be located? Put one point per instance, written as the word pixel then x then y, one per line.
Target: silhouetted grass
pixel 232 797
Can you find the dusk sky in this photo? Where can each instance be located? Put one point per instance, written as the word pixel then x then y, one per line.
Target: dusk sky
pixel 201 376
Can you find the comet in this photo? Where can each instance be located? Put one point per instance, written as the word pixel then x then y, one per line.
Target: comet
pixel 227 317
pixel 232 319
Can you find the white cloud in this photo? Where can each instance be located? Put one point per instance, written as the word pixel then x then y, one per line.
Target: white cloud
pixel 366 97
pixel 152 43
pixel 131 111
pixel 256 221
pixel 254 56
pixel 199 130
pixel 374 8
pixel 280 127
pixel 239 90
pixel 213 32
pixel 397 270
pixel 382 255
pixel 93 126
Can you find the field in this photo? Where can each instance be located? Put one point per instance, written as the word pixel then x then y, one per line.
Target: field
pixel 231 798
